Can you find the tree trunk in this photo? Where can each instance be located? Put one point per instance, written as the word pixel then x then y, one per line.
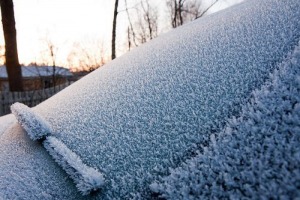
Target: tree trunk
pixel 131 30
pixel 11 53
pixel 174 22
pixel 113 42
pixel 147 18
pixel 180 6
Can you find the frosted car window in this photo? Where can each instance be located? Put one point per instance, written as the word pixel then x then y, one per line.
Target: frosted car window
pixel 153 107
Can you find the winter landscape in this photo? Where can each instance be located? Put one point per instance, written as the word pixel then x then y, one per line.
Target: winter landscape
pixel 208 110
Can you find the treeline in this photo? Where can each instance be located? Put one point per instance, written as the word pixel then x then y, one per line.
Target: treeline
pixel 143 25
pixel 143 20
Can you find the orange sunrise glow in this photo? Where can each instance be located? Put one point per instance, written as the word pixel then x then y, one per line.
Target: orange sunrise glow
pixel 67 22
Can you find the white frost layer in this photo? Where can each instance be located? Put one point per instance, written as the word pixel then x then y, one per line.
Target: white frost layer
pixel 151 108
pixel 87 179
pixel 256 156
pixel 36 127
pixel 5 122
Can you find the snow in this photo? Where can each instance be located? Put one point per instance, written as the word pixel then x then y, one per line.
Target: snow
pixel 87 179
pixel 36 127
pixel 38 71
pixel 155 107
pixel 256 156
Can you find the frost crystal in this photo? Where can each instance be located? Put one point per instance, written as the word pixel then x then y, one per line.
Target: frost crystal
pixel 87 179
pixel 36 127
pixel 155 107
pixel 158 104
pixel 256 156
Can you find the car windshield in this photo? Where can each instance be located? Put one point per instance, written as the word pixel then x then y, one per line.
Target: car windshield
pixel 151 109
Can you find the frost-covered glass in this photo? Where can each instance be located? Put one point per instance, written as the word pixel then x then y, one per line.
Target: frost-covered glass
pixel 156 106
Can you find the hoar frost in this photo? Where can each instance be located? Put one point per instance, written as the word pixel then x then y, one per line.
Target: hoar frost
pixel 36 127
pixel 87 179
pixel 256 156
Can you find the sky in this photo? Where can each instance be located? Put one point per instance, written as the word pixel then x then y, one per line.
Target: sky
pixel 64 23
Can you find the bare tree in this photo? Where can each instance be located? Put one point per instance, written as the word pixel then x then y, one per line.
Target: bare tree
pixel 176 8
pixel 150 18
pixel 87 56
pixel 113 42
pixel 129 38
pixel 145 26
pixel 13 67
pixel 50 53
pixel 200 14
pixel 130 30
pixel 182 11
pixel 48 57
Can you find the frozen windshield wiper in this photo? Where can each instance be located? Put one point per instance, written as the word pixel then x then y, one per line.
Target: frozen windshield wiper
pixel 87 179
